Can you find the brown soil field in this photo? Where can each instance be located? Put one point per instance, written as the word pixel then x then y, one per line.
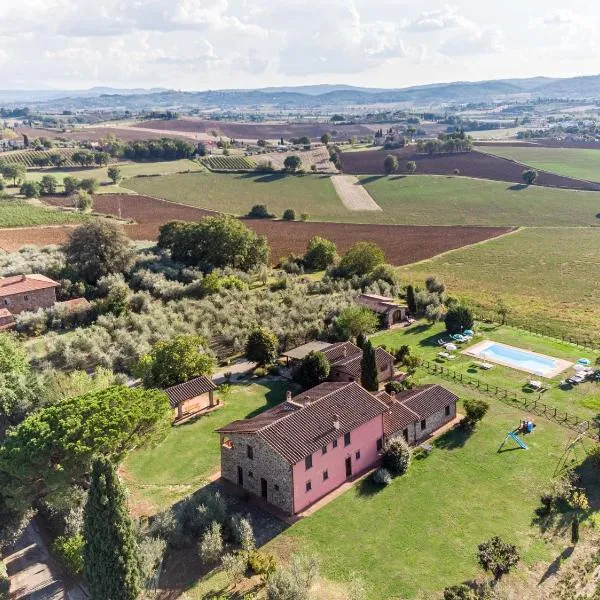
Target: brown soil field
pixel 94 134
pixel 470 164
pixel 403 244
pixel 255 131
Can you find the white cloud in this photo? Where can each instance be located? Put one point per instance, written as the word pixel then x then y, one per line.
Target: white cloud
pixel 474 41
pixel 437 20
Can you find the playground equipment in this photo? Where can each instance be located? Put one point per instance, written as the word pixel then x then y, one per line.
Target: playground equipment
pixel 570 456
pixel 513 436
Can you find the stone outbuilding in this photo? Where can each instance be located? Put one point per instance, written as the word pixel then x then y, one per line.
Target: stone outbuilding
pixel 389 312
pixel 19 293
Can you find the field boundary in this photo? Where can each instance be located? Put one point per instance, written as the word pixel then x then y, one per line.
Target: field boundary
pixel 536 406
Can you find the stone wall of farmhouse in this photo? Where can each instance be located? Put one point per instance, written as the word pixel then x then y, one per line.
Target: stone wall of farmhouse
pixel 434 422
pixel 265 464
pixel 32 300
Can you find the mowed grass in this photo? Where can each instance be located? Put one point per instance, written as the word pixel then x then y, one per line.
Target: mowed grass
pixel 18 213
pixel 582 400
pixel 420 533
pixel 159 476
pixel 128 170
pixel 580 163
pixel 548 277
pixel 441 200
pixel 237 193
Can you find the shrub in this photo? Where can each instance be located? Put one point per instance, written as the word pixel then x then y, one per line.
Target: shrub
pixel 294 582
pixel 211 544
pixel 402 352
pixel 261 563
pixel 262 346
pixel 260 372
pixel 396 456
pixel 497 557
pixel 382 476
pixel 475 410
pixel 31 189
pixel 304 217
pixel 260 211
pixel 395 387
pixel 289 214
pixel 385 272
pixel 69 551
pixel 4 582
pixel 529 176
pixel 320 254
pixel 243 534
pixel 459 592
pixel 83 201
pixel 234 564
pixel 458 318
pixel 150 552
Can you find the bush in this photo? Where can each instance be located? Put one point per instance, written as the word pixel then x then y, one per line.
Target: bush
pixel 260 372
pixel 396 456
pixel 211 544
pixel 475 410
pixel 4 582
pixel 529 176
pixel 30 189
pixel 261 563
pixel 395 387
pixel 458 319
pixel 459 592
pixel 243 534
pixel 289 214
pixel 234 564
pixel 260 211
pixel 262 346
pixel 83 201
pixel 382 476
pixel 69 551
pixel 294 582
pixel 320 254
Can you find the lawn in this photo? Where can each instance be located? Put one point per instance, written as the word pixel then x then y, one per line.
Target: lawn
pixel 17 213
pixel 582 400
pixel 547 277
pixel 157 477
pixel 128 170
pixel 441 200
pixel 420 534
pixel 580 163
pixel 237 193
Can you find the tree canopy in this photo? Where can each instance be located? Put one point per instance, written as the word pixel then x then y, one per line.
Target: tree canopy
pixel 221 241
pixel 356 320
pixel 315 369
pixel 390 164
pixel 458 318
pixel 368 368
pixel 361 258
pixel 175 361
pixel 96 249
pixel 320 253
pixel 292 163
pixel 262 346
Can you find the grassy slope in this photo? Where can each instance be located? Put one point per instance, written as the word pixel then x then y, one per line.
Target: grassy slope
pixel 547 277
pixel 237 193
pixel 573 162
pixel 582 400
pixel 421 533
pixel 440 200
pixel 416 200
pixel 159 476
pixel 16 213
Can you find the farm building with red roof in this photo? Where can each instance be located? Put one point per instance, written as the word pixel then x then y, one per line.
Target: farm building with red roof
pixel 19 293
pixel 297 452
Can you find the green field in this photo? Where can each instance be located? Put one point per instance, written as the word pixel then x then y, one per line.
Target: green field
pixel 415 200
pixel 439 200
pixel 17 213
pixel 159 476
pixel 237 193
pixel 548 277
pixel 420 533
pixel 128 170
pixel 582 400
pixel 580 163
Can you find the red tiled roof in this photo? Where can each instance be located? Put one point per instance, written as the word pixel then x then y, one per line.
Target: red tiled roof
pixel 352 365
pixel 427 400
pixel 379 304
pixel 300 427
pixel 398 417
pixel 4 313
pixel 190 389
pixel 341 351
pixel 18 284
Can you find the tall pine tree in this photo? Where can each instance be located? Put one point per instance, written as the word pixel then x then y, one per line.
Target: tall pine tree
pixel 368 366
pixel 110 556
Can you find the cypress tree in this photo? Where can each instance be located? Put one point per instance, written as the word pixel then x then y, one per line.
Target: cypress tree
pixel 368 366
pixel 111 565
pixel 361 338
pixel 410 300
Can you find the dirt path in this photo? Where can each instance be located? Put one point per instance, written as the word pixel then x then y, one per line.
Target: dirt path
pixel 353 195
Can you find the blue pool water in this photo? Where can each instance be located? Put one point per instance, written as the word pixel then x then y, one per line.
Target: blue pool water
pixel 519 359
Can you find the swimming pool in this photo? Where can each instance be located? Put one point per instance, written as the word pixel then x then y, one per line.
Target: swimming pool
pixel 523 360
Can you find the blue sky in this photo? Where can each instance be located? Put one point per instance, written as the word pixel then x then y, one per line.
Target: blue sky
pixel 204 44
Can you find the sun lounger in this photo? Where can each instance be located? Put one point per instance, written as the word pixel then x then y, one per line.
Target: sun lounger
pixel 484 365
pixel 443 355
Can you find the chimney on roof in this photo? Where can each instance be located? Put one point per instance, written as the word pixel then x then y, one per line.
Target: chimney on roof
pixel 288 395
pixel 345 351
pixel 336 421
pixel 392 395
pixel 23 277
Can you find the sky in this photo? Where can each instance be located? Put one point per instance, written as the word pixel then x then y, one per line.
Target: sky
pixel 212 44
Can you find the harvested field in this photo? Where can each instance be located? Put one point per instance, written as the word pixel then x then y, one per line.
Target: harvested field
pixel 402 244
pixel 470 164
pixel 255 131
pixel 94 134
pixel 13 239
pixel 353 194
pixel 317 156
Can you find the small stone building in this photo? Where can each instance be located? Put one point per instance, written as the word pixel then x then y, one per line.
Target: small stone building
pixel 7 319
pixel 192 396
pixel 19 293
pixel 389 311
pixel 345 359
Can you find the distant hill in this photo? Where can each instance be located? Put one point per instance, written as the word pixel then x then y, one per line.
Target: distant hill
pixel 311 96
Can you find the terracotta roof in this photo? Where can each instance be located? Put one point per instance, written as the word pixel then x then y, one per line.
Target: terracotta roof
pixel 426 400
pixel 303 425
pixel 379 304
pixel 4 313
pixel 18 284
pixel 352 365
pixel 302 351
pixel 398 417
pixel 190 389
pixel 341 350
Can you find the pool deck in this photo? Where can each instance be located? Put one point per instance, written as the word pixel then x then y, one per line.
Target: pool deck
pixel 478 351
